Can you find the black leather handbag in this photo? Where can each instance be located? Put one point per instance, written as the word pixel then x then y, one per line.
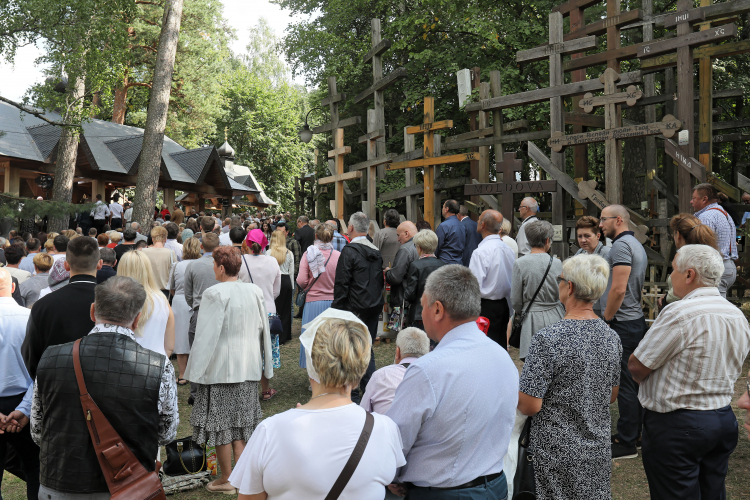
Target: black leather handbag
pixel 524 486
pixel 184 456
pixel 515 332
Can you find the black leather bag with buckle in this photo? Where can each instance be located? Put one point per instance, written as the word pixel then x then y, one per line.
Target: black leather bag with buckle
pixel 184 456
pixel 524 485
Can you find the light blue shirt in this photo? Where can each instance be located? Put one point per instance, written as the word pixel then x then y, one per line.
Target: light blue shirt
pixel 14 378
pixel 745 216
pixel 492 264
pixel 455 409
pixel 27 263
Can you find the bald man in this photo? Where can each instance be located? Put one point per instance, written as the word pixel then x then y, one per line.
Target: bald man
pixel 338 240
pixel 406 254
pixel 492 264
pixel 621 308
pixel 16 387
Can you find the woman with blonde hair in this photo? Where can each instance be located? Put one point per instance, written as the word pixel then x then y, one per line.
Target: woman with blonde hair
pixel 285 258
pixel 191 250
pixel 156 327
pixel 315 440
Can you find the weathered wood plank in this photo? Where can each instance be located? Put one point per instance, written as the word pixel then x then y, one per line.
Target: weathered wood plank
pixel 668 126
pixel 375 134
pixel 687 16
pixel 373 162
pixel 437 160
pixel 346 176
pixel 629 97
pixel 544 51
pixel 534 96
pixel 743 182
pixel 689 163
pixel 418 189
pixel 492 140
pixel 664 191
pixel 326 101
pixel 714 51
pixel 567 7
pixel 561 177
pixel 583 119
pixel 409 155
pixel 381 84
pixel 731 137
pixel 731 124
pixel 696 38
pixel 343 150
pixel 487 131
pixel 510 187
pixel 724 186
pixel 431 126
pixel 354 120
pixel 600 27
pixel 376 50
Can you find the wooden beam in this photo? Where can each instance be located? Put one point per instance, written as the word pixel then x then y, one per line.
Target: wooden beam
pixel 423 127
pixel 374 162
pixel 488 131
pixel 354 120
pixel 739 137
pixel 346 176
pixel 724 186
pixel 437 160
pixel 418 189
pixel 543 94
pixel 664 191
pixel 583 119
pixel 567 7
pixel 731 124
pixel 381 84
pixel 506 138
pixel 376 50
pixel 343 150
pixel 544 51
pixel 668 126
pixel 743 182
pixel 326 101
pixel 375 134
pixel 696 38
pixel 600 27
pixel 689 163
pixel 561 177
pixel 692 15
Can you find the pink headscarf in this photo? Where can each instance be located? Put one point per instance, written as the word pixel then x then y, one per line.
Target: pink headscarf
pixel 256 236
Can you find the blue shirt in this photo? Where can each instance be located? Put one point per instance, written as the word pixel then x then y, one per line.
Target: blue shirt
pixel 27 263
pixel 722 225
pixel 14 377
pixel 473 239
pixel 456 408
pixel 451 241
pixel 745 216
pixel 338 241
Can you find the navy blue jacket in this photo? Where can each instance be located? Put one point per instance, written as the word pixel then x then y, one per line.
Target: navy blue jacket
pixel 473 239
pixel 451 241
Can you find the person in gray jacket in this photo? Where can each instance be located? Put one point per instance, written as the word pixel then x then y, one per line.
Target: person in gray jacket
pixel 396 275
pixel 199 276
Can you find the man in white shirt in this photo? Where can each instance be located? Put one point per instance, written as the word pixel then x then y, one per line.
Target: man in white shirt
pixel 527 210
pixel 492 264
pixel 100 213
pixel 411 344
pixel 116 210
pixel 128 215
pixel 13 256
pixel 173 230
pixel 224 239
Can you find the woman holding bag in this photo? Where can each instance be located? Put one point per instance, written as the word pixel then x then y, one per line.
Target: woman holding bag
pixel 317 273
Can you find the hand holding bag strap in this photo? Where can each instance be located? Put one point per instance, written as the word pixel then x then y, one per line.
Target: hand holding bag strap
pixel 356 456
pixel 541 283
pixel 125 476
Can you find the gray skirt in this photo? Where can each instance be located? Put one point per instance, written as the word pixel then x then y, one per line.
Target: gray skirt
pixel 223 413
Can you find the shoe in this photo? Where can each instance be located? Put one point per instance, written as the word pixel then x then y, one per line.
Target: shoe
pixel 225 488
pixel 191 401
pixel 622 451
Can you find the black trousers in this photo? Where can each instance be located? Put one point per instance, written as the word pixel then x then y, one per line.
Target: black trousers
pixel 370 318
pixel 498 313
pixel 99 225
pixel 25 447
pixel 631 413
pixel 686 453
pixel 116 223
pixel 284 308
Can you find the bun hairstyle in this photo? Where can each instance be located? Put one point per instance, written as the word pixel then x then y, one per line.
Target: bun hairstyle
pixel 324 232
pixel 340 352
pixel 692 230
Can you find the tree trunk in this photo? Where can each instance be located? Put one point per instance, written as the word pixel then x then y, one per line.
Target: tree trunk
pixel 120 105
pixel 65 166
pixel 156 121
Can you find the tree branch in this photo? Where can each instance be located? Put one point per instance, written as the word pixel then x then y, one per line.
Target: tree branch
pixel 39 115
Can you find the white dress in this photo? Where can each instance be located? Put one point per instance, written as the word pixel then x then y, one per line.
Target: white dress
pixel 152 334
pixel 180 307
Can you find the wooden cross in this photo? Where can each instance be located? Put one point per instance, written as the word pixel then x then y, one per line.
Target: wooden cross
pixel 373 160
pixel 428 161
pixel 684 42
pixel 588 190
pixel 339 176
pixel 509 166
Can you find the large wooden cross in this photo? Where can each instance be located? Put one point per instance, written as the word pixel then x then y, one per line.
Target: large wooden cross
pixel 339 177
pixel 428 160
pixel 372 139
pixel 509 166
pixel 683 43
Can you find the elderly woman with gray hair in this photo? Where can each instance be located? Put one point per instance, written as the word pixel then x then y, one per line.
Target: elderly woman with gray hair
pixel 571 376
pixel 536 271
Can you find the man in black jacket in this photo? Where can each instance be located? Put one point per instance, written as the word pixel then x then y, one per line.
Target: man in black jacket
pixel 63 315
pixel 358 287
pixel 305 235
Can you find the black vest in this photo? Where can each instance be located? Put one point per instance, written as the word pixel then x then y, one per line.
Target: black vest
pixel 123 378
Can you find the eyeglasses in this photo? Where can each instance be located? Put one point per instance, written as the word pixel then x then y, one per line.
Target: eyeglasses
pixel 560 279
pixel 605 218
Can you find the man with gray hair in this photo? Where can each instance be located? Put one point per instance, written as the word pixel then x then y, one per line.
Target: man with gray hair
pixel 687 365
pixel 456 407
pixel 138 236
pixel 140 402
pixel 358 286
pixel 621 309
pixel 492 264
pixel 527 210
pixel 411 344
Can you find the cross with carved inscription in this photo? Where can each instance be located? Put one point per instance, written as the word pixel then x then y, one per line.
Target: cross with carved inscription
pixel 339 176
pixel 428 160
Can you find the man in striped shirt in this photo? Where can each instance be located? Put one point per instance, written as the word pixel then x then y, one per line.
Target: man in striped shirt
pixel 705 203
pixel 687 365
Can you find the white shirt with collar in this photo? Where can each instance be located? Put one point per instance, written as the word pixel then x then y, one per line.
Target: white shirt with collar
pixel 382 386
pixel 492 264
pixel 116 210
pixel 175 247
pixel 523 245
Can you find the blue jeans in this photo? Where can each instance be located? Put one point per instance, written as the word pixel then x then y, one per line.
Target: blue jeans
pixel 686 453
pixel 497 489
pixel 631 413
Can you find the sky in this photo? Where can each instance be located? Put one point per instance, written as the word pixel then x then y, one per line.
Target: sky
pixel 242 15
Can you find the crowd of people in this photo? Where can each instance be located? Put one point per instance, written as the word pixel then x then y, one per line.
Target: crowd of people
pixel 439 422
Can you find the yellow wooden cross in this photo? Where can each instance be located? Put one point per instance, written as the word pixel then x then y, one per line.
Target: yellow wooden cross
pixel 337 153
pixel 428 160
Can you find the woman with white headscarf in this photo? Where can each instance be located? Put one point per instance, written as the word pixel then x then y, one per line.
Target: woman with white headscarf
pixel 315 440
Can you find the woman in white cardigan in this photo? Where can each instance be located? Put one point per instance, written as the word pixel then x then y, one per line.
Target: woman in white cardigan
pixel 231 351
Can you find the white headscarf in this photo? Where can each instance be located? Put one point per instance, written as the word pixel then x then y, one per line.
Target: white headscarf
pixel 308 337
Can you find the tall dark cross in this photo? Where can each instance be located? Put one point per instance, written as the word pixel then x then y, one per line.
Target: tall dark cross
pixel 377 90
pixel 509 166
pixel 339 177
pixel 684 43
pixel 428 160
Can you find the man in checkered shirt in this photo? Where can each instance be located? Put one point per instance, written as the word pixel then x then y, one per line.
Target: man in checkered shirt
pixel 707 209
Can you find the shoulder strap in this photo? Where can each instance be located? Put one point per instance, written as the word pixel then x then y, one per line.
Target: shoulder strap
pixel 730 225
pixel 356 456
pixel 316 279
pixel 248 270
pixel 541 283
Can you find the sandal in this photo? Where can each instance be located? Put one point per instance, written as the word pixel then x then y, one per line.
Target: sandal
pixel 182 381
pixel 267 395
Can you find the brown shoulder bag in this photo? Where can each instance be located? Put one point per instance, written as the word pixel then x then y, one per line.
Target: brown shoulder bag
pixel 126 478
